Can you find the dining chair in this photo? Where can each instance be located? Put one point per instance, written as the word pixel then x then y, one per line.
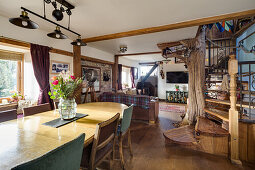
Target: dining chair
pixel 36 109
pixel 67 156
pixel 8 115
pixel 123 130
pixel 103 144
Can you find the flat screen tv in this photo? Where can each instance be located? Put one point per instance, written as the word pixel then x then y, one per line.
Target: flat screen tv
pixel 177 77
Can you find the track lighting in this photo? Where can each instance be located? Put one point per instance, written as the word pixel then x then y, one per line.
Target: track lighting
pixel 57 34
pixel 78 42
pixel 24 21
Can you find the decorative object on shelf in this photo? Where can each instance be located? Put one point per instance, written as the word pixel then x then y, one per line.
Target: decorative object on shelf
pixel 65 87
pixel 25 22
pixel 58 66
pixel 176 97
pixel 17 96
pixel 162 74
pixel 177 87
pixel 123 48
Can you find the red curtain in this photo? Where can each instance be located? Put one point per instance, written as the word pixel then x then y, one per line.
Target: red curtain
pixel 132 75
pixel 41 63
pixel 119 76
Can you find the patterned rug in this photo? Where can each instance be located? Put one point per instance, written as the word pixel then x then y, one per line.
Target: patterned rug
pixel 171 108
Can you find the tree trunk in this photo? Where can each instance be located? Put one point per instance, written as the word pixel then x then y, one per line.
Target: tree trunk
pixel 196 68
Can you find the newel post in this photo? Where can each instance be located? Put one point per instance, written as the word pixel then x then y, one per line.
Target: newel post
pixel 233 113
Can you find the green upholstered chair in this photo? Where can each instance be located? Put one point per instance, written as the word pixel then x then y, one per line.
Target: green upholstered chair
pixel 65 157
pixel 124 129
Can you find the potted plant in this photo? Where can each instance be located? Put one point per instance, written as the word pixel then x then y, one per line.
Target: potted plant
pixel 16 96
pixel 177 87
pixel 65 87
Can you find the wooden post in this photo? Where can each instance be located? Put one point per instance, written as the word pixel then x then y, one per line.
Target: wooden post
pixel 115 73
pixel 77 67
pixel 233 113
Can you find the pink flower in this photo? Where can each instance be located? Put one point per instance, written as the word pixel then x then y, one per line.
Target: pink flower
pixel 72 77
pixel 55 82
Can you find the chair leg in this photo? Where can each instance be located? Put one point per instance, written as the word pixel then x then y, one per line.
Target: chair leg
pixel 121 151
pixel 129 143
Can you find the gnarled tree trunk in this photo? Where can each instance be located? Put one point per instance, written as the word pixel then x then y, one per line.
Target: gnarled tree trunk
pixel 196 68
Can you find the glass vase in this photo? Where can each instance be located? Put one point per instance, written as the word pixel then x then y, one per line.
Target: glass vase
pixel 67 108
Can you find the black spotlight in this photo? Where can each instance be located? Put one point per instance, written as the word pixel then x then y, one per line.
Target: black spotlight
pixel 24 21
pixel 78 42
pixel 57 14
pixel 57 34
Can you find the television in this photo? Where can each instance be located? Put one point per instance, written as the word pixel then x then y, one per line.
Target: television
pixel 177 77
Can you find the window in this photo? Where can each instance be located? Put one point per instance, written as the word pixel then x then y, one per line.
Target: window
pixel 145 69
pixel 11 74
pixel 126 78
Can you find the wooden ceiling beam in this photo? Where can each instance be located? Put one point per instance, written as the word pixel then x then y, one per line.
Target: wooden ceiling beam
pixel 195 22
pixel 132 54
pixel 168 44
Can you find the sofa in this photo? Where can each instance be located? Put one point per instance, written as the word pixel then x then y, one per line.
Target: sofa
pixel 145 107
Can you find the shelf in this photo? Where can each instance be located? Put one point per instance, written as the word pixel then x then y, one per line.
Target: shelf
pixel 218 113
pixel 227 102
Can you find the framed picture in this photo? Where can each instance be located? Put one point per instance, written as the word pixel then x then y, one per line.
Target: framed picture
pixel 91 76
pixel 136 73
pixel 58 66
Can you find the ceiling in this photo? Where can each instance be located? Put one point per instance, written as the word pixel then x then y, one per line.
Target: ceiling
pixel 99 17
pixel 145 58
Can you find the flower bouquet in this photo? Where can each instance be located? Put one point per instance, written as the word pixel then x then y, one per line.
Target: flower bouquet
pixel 17 96
pixel 65 87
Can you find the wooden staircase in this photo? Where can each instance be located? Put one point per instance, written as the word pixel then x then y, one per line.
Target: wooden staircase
pixel 206 136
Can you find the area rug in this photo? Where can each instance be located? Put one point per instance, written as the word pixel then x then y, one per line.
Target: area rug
pixel 172 108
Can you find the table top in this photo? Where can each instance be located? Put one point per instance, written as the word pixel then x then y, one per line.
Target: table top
pixel 26 138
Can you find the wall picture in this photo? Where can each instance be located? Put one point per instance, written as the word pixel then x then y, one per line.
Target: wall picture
pixel 58 66
pixel 91 76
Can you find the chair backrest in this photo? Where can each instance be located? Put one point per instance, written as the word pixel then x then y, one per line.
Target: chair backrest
pixel 36 109
pixel 105 135
pixel 126 120
pixel 67 156
pixel 8 115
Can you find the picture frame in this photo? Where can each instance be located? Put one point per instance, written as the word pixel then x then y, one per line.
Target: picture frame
pixel 86 76
pixel 58 66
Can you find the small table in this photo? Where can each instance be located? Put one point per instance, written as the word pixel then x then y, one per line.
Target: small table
pixel 26 138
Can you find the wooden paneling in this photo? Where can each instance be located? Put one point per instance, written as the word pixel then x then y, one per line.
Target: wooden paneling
pixel 247 142
pixel 195 22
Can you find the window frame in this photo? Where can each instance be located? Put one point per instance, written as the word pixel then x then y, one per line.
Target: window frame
pixel 20 75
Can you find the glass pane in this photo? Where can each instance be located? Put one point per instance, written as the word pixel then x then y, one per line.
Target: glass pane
pixel 8 78
pixel 146 69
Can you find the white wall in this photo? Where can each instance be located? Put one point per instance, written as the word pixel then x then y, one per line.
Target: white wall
pixel 163 86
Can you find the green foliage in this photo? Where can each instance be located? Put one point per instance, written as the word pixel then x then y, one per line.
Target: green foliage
pixel 65 88
pixel 8 78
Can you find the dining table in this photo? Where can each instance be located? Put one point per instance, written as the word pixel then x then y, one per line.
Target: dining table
pixel 26 138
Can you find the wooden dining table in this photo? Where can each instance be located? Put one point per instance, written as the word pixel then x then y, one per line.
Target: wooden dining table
pixel 27 138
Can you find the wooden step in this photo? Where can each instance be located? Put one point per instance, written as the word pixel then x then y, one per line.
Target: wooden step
pixel 207 127
pixel 218 113
pixel 183 135
pixel 227 102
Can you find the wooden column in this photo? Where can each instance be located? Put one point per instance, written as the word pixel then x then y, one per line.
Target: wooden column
pixel 115 73
pixel 77 67
pixel 233 113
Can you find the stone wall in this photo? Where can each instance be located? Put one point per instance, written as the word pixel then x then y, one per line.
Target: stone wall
pixel 105 86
